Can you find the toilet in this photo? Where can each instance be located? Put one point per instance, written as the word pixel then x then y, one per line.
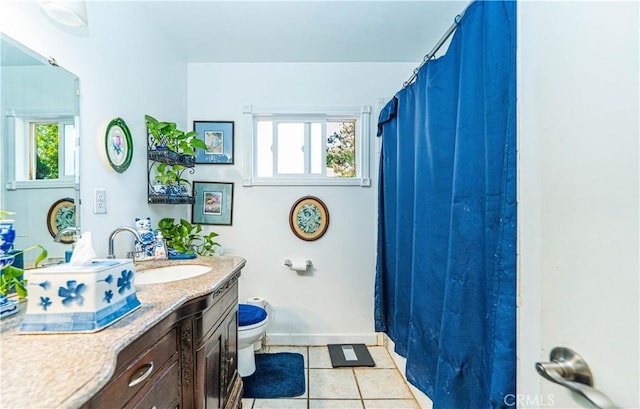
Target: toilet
pixel 252 325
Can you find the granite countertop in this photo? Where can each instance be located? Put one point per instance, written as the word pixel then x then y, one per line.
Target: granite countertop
pixel 66 370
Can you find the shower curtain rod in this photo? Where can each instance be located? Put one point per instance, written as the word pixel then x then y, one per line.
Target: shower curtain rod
pixel 435 49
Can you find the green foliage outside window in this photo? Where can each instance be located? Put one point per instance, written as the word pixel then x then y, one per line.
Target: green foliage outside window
pixel 47 138
pixel 341 151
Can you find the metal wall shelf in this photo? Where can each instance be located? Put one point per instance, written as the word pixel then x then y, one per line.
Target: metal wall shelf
pixel 171 157
pixel 171 199
pixel 156 156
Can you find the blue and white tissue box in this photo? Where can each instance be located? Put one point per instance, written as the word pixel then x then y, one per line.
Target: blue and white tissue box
pixel 85 298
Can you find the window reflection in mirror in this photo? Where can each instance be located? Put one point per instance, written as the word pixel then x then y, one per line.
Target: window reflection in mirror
pixel 39 146
pixel 46 149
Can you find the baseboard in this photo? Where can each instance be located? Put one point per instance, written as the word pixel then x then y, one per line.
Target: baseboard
pixel 322 339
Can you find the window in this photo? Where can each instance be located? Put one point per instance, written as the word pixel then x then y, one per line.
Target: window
pixel 44 151
pixel 307 148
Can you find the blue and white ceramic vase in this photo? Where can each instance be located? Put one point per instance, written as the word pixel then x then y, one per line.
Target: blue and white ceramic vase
pixel 7 236
pixel 159 189
pixel 7 306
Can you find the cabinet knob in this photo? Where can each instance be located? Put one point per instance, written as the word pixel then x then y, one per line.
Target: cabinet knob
pixel 141 374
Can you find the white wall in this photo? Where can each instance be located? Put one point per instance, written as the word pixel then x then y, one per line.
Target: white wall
pixel 578 94
pixel 335 302
pixel 126 70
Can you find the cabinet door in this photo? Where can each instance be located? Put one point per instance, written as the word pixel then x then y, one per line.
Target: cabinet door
pixel 231 382
pixel 230 350
pixel 216 382
pixel 217 364
pixel 209 362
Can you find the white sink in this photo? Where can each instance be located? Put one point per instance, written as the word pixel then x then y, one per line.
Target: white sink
pixel 170 273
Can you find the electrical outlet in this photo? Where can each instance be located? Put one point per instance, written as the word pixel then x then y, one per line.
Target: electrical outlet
pixel 99 201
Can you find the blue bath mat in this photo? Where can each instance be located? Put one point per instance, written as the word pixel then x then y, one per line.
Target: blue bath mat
pixel 278 375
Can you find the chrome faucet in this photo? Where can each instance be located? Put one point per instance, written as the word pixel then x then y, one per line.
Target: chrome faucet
pixel 67 230
pixel 113 234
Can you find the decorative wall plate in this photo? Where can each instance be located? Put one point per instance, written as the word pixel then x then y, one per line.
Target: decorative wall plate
pixel 118 145
pixel 62 214
pixel 309 218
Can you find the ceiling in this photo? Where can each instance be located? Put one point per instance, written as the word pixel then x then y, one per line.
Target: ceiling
pixel 303 31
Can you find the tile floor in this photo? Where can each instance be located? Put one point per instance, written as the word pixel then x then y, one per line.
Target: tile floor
pixel 379 387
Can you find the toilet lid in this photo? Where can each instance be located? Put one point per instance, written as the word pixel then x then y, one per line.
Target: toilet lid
pixel 250 314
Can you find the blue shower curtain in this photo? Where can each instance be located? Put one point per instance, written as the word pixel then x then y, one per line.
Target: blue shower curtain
pixel 446 263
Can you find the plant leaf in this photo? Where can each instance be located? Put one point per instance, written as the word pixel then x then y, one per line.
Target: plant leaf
pixel 21 289
pixel 42 256
pixel 197 143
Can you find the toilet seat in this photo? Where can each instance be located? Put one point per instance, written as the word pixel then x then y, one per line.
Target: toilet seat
pixel 250 316
pixel 252 325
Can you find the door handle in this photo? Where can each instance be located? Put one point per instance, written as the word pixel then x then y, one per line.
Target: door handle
pixel 568 369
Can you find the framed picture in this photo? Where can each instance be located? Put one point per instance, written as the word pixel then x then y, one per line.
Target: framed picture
pixel 309 218
pixel 213 203
pixel 62 214
pixel 218 137
pixel 118 145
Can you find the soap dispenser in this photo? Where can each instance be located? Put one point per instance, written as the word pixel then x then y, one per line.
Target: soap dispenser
pixel 160 251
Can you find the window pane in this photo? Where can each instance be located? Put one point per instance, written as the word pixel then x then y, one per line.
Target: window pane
pixel 47 151
pixel 341 149
pixel 291 148
pixel 264 144
pixel 316 148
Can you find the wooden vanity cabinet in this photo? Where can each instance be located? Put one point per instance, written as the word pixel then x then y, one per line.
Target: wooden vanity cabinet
pixel 144 371
pixel 209 346
pixel 217 375
pixel 188 360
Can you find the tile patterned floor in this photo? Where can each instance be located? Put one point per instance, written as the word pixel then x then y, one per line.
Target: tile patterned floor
pixel 380 387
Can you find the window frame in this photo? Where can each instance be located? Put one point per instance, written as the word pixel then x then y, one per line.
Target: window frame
pixel 361 115
pixel 23 130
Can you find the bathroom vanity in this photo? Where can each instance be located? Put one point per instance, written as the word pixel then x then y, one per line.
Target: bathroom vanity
pixel 177 351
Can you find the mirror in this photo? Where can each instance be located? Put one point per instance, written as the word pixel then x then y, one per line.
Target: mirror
pixel 39 148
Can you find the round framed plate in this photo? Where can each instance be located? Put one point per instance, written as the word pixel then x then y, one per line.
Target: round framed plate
pixel 118 145
pixel 62 214
pixel 309 218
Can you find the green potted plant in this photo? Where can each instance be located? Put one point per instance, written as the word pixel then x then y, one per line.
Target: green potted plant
pixel 12 277
pixel 170 181
pixel 166 135
pixel 187 238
